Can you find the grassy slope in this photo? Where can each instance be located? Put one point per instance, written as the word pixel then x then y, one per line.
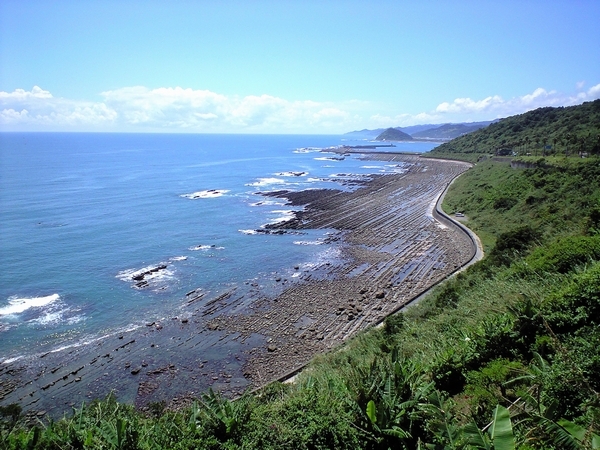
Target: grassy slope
pixel 571 129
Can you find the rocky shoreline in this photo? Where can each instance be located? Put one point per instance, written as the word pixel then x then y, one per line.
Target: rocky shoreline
pixel 393 246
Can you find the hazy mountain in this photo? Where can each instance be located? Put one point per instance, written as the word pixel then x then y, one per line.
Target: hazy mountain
pixel 393 134
pixel 425 131
pixel 450 130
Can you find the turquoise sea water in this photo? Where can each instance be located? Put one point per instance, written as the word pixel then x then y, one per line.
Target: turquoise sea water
pixel 82 213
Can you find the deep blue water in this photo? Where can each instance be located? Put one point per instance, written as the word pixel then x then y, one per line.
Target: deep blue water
pixel 80 213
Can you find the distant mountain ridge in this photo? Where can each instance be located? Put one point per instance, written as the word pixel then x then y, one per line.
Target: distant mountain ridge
pixel 449 130
pixel 444 131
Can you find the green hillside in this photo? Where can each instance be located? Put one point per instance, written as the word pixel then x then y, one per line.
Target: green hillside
pixel 544 131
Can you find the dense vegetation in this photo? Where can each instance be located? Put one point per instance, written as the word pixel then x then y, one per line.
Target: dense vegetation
pixel 504 355
pixel 544 131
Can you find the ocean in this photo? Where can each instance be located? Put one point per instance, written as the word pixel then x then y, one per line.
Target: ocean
pixel 103 232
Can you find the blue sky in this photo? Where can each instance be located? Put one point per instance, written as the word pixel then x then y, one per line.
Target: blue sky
pixel 289 66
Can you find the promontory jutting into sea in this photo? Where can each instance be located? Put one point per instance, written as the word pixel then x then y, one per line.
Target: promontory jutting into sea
pixel 107 232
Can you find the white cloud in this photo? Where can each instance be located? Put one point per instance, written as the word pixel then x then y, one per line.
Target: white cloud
pixel 139 108
pixel 39 109
pixel 593 93
pixel 461 105
pixel 203 110
pixel 465 109
pixel 22 95
pixel 488 108
pixel 12 116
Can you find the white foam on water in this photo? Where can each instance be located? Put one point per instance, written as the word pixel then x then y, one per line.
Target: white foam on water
pixel 291 174
pixel 249 232
pixel 308 242
pixel 396 168
pixel 205 247
pixel 11 360
pixel 179 258
pixel 209 193
pixel 17 305
pixel 325 158
pixel 307 150
pixel 284 217
pixel 200 247
pixel 347 176
pixel 49 318
pixel 268 203
pixel 159 275
pixel 266 182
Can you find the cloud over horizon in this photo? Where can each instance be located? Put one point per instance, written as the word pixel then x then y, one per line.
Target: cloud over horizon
pixel 139 108
pixel 490 108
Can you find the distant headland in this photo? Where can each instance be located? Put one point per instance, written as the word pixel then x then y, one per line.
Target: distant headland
pixel 426 132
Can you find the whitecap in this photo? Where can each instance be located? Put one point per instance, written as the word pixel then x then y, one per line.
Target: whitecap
pixel 210 193
pixel 291 174
pixel 268 203
pixel 308 242
pixel 266 182
pixel 285 216
pixel 49 318
pixel 156 272
pixel 17 305
pixel 57 317
pixel 200 247
pixel 348 176
pixel 179 258
pixel 326 158
pixel 11 360
pixel 248 231
pixel 307 150
pixel 205 247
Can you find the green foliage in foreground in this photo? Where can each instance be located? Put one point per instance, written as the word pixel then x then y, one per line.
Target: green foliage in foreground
pixel 505 355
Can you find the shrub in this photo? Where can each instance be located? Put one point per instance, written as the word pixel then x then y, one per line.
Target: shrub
pixel 565 254
pixel 486 387
pixel 393 324
pixel 512 243
pixel 577 305
pixel 447 296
